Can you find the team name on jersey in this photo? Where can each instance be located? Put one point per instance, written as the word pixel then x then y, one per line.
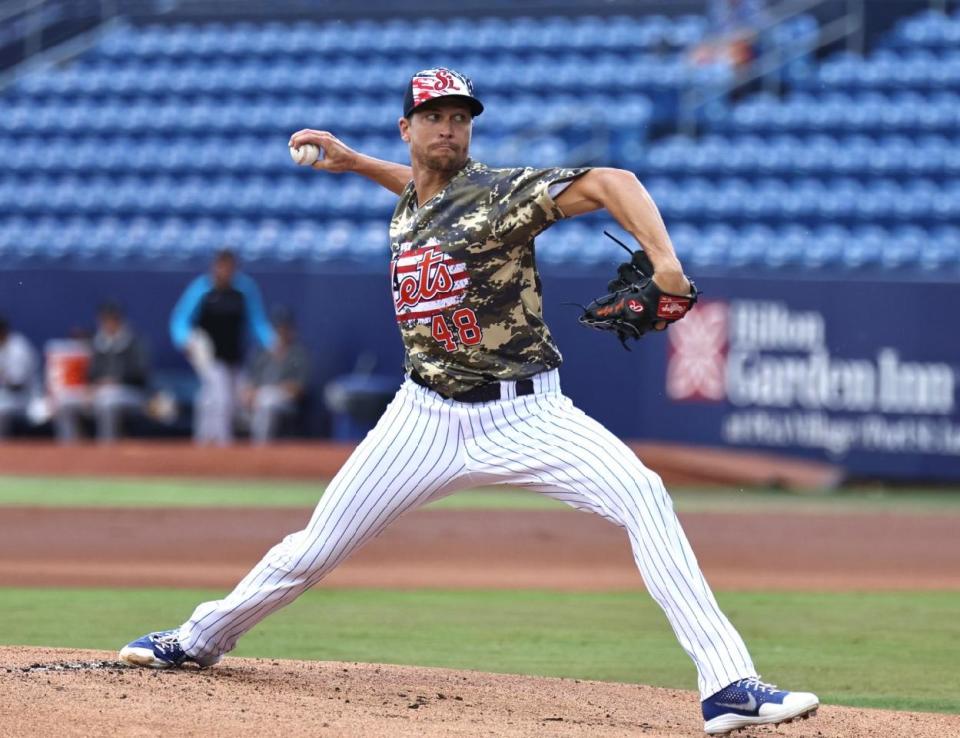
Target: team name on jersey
pixel 426 281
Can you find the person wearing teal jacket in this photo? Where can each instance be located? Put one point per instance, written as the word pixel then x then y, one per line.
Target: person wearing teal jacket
pixel 211 323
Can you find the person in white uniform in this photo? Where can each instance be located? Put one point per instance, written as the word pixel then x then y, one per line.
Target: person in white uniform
pixel 481 402
pixel 18 376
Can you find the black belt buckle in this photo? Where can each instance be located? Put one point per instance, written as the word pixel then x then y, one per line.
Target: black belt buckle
pixel 482 393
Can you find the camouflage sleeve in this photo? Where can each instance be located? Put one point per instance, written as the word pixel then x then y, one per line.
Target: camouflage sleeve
pixel 523 205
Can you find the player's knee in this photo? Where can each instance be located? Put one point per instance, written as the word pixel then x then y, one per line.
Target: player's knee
pixel 647 480
pixel 653 480
pixel 300 557
pixel 647 485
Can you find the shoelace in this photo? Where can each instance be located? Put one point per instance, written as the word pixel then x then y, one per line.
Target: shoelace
pixel 168 642
pixel 755 683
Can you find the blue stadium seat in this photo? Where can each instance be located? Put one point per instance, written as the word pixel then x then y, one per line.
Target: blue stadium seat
pixel 930 29
pixel 164 139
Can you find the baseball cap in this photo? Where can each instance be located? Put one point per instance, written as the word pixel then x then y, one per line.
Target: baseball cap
pixel 430 84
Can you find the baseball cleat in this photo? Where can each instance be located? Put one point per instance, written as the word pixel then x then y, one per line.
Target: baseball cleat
pixel 751 702
pixel 160 650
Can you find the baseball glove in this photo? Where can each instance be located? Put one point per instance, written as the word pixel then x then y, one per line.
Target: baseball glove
pixel 634 304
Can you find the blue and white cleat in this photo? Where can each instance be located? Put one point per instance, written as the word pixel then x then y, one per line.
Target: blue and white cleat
pixel 750 702
pixel 160 650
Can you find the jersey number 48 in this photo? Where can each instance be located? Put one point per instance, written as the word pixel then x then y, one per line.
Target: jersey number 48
pixel 464 323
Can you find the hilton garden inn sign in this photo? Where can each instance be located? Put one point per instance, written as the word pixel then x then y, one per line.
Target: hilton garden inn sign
pixel 861 381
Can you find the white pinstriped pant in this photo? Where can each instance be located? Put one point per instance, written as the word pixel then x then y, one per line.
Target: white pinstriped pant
pixel 425 447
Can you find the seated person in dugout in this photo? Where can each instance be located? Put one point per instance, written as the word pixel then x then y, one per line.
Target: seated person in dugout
pixel 117 381
pixel 277 381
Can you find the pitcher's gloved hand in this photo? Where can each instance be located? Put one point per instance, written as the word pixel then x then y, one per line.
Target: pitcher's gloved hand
pixel 634 304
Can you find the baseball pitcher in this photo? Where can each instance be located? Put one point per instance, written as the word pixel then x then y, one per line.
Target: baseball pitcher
pixel 481 402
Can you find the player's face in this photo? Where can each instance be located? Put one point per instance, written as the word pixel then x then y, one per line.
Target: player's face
pixel 223 271
pixel 439 135
pixel 110 324
pixel 286 334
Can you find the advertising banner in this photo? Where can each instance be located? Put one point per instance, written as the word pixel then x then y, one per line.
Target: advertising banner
pixel 863 374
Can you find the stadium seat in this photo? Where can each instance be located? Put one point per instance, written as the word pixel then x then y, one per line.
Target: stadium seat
pixel 164 139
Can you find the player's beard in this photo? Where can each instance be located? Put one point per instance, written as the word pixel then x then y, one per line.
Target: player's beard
pixel 444 161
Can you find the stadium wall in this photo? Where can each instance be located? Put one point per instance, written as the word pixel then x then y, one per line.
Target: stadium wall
pixel 859 373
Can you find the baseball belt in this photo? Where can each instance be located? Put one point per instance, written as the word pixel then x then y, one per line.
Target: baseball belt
pixel 482 393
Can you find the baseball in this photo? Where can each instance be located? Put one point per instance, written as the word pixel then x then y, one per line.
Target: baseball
pixel 305 155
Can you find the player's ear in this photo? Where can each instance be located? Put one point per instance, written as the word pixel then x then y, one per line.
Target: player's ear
pixel 404 126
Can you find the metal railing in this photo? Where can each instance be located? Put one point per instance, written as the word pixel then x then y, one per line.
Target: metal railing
pixel 28 23
pixel 593 150
pixel 25 13
pixel 768 69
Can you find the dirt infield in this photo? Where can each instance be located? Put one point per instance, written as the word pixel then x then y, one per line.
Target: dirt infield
pixel 479 548
pixel 53 692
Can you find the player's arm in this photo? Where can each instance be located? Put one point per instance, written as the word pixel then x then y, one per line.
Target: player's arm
pixel 185 311
pixel 337 157
pixel 257 321
pixel 620 193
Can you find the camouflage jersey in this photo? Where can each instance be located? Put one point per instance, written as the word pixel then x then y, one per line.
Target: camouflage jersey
pixel 465 285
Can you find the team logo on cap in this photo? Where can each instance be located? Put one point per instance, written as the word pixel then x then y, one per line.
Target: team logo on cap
pixel 431 83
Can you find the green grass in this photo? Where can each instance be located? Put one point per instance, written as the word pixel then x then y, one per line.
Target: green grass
pixel 97 492
pixel 892 650
pixel 110 492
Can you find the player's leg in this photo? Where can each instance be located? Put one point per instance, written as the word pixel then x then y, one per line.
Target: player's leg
pixel 543 442
pixel 10 407
pixel 271 403
pixel 222 403
pixel 110 404
pixel 202 408
pixel 551 446
pixel 231 403
pixel 213 407
pixel 69 407
pixel 412 455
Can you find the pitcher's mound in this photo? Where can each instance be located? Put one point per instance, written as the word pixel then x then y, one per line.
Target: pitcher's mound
pixel 81 693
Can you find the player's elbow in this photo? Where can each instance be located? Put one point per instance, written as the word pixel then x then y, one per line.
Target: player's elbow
pixel 610 180
pixel 614 176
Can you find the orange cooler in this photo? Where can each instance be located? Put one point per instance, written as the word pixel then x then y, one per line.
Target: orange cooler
pixel 67 365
